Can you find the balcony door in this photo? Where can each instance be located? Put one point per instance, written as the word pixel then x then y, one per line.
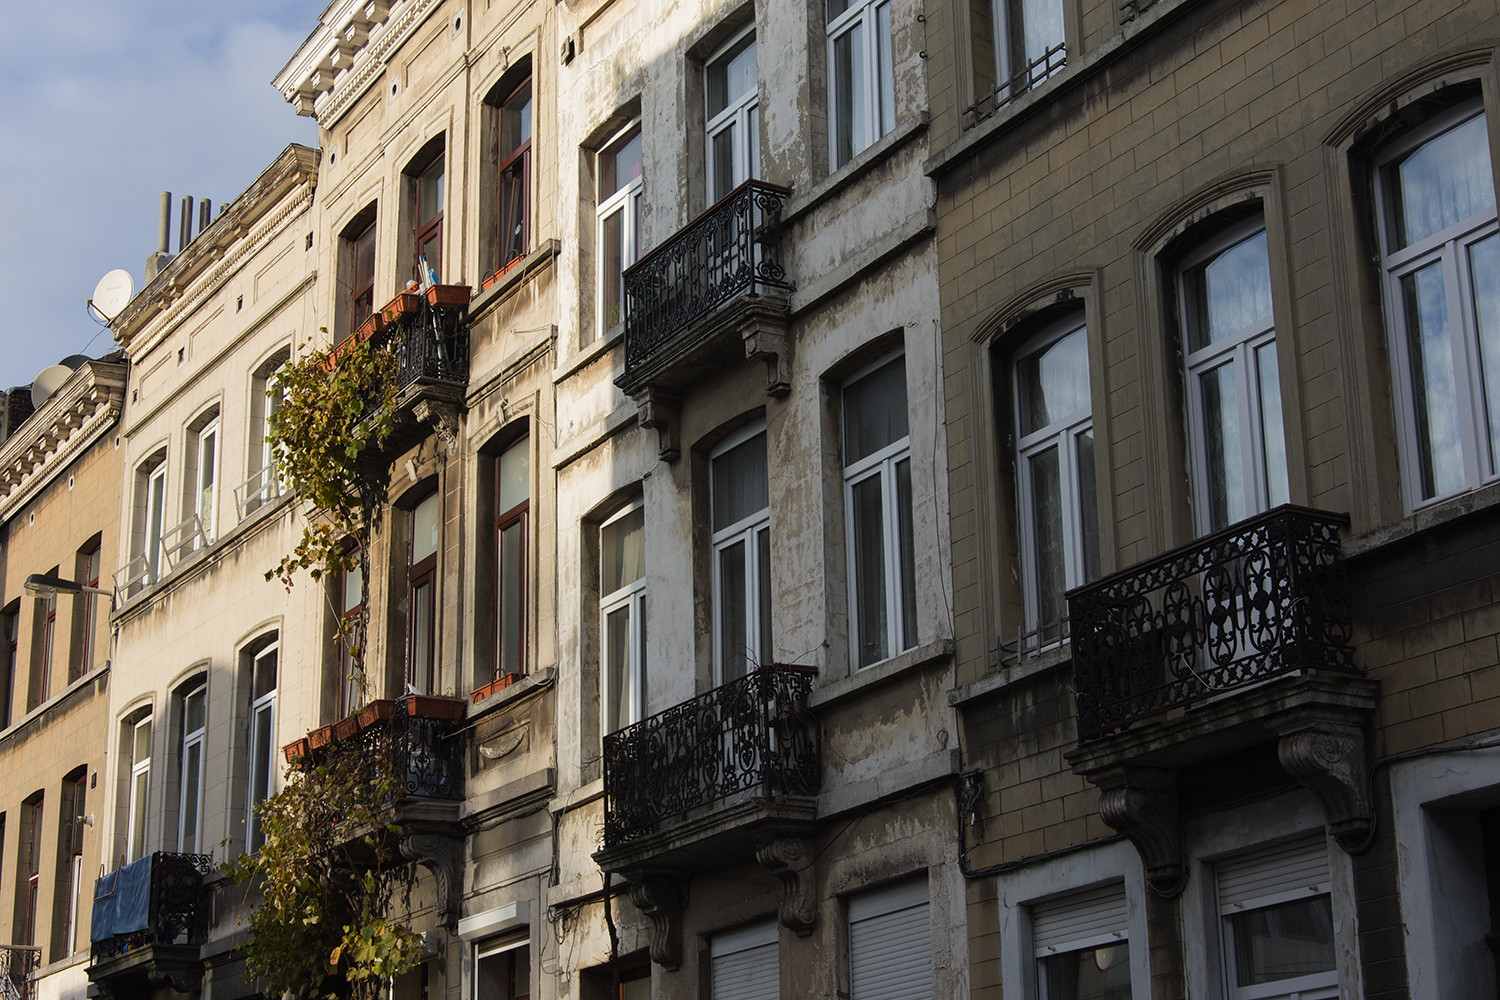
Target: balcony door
pixel 733 116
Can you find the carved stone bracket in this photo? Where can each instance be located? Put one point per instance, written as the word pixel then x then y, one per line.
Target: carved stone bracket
pixel 440 851
pixel 768 343
pixel 1141 803
pixel 659 410
pixel 442 417
pixel 657 896
pixel 1329 760
pixel 790 859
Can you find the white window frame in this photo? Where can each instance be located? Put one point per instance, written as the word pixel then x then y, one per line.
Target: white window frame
pixel 1319 986
pixel 192 739
pixel 746 530
pixel 266 703
pixel 876 83
pixel 1062 434
pixel 490 949
pixel 631 598
pixel 1450 248
pixel 1239 349
pixel 885 904
pixel 206 482
pixel 135 834
pixel 629 202
pixel 883 464
pixel 741 113
pixel 156 509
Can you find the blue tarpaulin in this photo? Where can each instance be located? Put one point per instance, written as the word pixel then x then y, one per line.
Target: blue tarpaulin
pixel 122 901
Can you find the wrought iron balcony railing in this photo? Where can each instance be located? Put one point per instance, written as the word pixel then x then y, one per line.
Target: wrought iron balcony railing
pixel 432 343
pixel 17 964
pixel 413 732
pixel 1026 78
pixel 1260 599
pixel 754 734
pixel 155 900
pixel 729 250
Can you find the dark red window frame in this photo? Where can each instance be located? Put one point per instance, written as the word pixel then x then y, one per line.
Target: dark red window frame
pixel 513 225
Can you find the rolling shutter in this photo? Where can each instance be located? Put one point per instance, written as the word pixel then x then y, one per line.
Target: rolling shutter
pixel 1081 920
pixel 1274 874
pixel 890 944
pixel 744 963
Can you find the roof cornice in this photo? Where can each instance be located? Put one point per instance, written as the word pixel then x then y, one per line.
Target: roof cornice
pixel 70 420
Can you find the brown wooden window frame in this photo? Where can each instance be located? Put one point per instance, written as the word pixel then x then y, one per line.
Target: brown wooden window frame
pixel 518 516
pixel 362 298
pixel 432 229
pixel 514 180
pixel 422 573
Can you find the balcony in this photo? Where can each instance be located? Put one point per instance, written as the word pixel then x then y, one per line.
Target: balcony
pixel 18 963
pixel 150 918
pixel 713 294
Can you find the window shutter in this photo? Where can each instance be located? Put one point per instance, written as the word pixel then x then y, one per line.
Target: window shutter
pixel 745 965
pixel 890 944
pixel 1274 875
pixel 1092 917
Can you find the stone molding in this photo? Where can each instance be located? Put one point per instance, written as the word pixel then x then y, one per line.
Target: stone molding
pixel 57 433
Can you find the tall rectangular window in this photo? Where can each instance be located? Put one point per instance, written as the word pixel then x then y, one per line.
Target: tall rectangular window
pixel 514 233
pixel 205 496
pixel 190 808
pixel 619 222
pixel 87 612
pixel 744 964
pixel 138 741
pixel 44 644
pixel 10 621
pixel 429 237
pixel 1055 472
pixel 1029 44
pixel 30 868
pixel 622 572
pixel 861 76
pixel 156 509
pixel 877 502
pixel 70 863
pixel 1277 923
pixel 261 767
pixel 890 943
pixel 1234 386
pixel 1440 251
pixel 741 507
pixel 361 246
pixel 262 480
pixel 503 971
pixel 421 584
pixel 1080 945
pixel 351 670
pixel 733 116
pixel 512 511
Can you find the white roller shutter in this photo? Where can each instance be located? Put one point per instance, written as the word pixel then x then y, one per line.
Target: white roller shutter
pixel 744 963
pixel 1084 919
pixel 890 944
pixel 1274 875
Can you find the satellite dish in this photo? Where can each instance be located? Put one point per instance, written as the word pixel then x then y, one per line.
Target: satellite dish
pixel 47 382
pixel 112 293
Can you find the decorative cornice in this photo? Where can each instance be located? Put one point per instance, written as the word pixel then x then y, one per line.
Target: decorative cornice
pixel 67 423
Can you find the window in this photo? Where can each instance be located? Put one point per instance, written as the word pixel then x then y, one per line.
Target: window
pixel 622 572
pixel 503 972
pixel 1441 258
pixel 1277 923
pixel 743 963
pixel 262 481
pixel 1081 947
pixel 43 643
pixel 86 611
pixel 619 221
pixel 361 249
pixel 351 671
pixel 733 116
pixel 155 524
pixel 30 869
pixel 890 943
pixel 1233 384
pixel 514 233
pixel 1055 472
pixel 421 584
pixel 1029 43
pixel 70 863
pixel 9 623
pixel 138 740
pixel 861 82
pixel 262 762
pixel 203 501
pixel 190 811
pixel 428 198
pixel 741 553
pixel 512 507
pixel 877 498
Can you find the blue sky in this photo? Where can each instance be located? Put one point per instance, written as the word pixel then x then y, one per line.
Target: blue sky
pixel 107 104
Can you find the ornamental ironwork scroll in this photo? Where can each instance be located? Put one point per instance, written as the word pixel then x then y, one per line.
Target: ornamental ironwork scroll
pixel 427 757
pixel 1262 598
pixel 432 343
pixel 754 734
pixel 729 250
pixel 178 912
pixel 17 964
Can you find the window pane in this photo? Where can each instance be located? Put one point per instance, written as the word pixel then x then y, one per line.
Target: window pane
pixel 885 68
pixel 515 474
pixel 875 411
pixel 1443 182
pixel 869 570
pixel 432 193
pixel 763 547
pixel 1088 513
pixel 1230 292
pixel 1041 27
pixel 353 588
pixel 142 747
pixel 1055 382
pixel 733 612
pixel 752 139
pixel 421 637
pixel 1221 432
pixel 619 166
pixel 1283 942
pixel 138 794
pixel 723 161
pixel 1484 270
pixel 835 8
pixel 260 772
pixel 515 121
pixel 206 463
pixel 624 545
pixel 617 659
pixel 849 98
pixel 510 598
pixel 1047 532
pixel 1434 399
pixel 265 673
pixel 191 766
pixel 731 76
pixel 1272 433
pixel 908 555
pixel 740 483
pixel 193 712
pixel 612 264
pixel 364 258
pixel 1090 974
pixel 426 520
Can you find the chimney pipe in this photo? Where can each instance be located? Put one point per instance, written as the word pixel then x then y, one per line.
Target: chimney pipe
pixel 164 224
pixel 185 225
pixel 205 214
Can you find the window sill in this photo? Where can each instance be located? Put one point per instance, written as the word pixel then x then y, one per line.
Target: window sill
pixel 1054 658
pixel 589 354
pixel 55 702
pixel 519 274
pixel 1420 522
pixel 62 965
pixel 520 689
pixel 879 673
pixel 856 168
pixel 577 798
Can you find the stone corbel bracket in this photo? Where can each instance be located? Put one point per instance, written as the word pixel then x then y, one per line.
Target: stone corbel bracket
pixel 767 341
pixel 439 849
pixel 658 409
pixel 1328 759
pixel 791 859
pixel 442 417
pixel 660 899
pixel 1141 802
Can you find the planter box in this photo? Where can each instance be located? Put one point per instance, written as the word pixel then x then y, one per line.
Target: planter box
pixel 371 327
pixel 296 751
pixel 320 737
pixel 498 684
pixel 376 712
pixel 345 729
pixel 403 305
pixel 422 706
pixel 449 295
pixel 490 281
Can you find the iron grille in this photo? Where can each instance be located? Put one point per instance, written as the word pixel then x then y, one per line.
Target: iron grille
pixel 422 750
pixel 432 343
pixel 729 250
pixel 1028 77
pixel 1132 9
pixel 17 965
pixel 178 909
pixel 751 734
pixel 1260 599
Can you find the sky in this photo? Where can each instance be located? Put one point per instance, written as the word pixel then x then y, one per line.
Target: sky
pixel 107 104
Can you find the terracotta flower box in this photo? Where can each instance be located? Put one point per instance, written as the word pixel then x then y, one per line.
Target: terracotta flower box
pixel 296 751
pixel 345 729
pixel 422 706
pixel 320 737
pixel 371 328
pixel 490 281
pixel 449 295
pixel 403 305
pixel 498 684
pixel 377 711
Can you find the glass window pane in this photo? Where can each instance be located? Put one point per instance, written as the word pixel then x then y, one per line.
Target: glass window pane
pixel 515 121
pixel 849 98
pixel 869 570
pixel 624 545
pixel 1434 395
pixel 353 588
pixel 138 796
pixel 612 265
pixel 619 166
pixel 1221 432
pixel 835 8
pixel 723 161
pixel 1443 182
pixel 1272 433
pixel 740 484
pixel 421 637
pixel 265 673
pixel 1055 382
pixel 1090 974
pixel 142 747
pixel 763 547
pixel 1041 27
pixel 875 411
pixel 752 138
pixel 193 712
pixel 731 76
pixel 1283 942
pixel 1484 270
pixel 510 598
pixel 1230 292
pixel 733 612
pixel 431 184
pixel 191 767
pixel 260 771
pixel 886 68
pixel 515 474
pixel 908 555
pixel 1047 532
pixel 426 521
pixel 364 258
pixel 617 660
pixel 1088 512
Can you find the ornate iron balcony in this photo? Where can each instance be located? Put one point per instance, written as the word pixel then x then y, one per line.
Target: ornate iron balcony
pixel 17 964
pixel 1260 599
pixel 412 733
pixel 432 343
pixel 729 250
pixel 754 734
pixel 156 900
